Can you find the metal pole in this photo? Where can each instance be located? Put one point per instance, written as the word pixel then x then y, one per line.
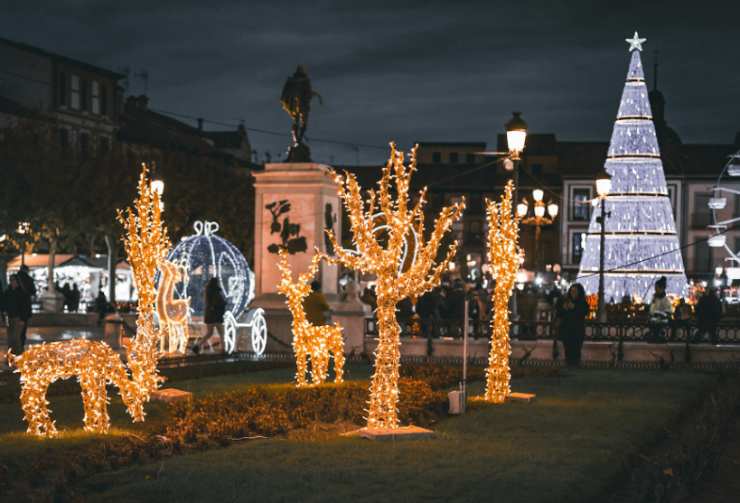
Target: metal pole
pixel 464 384
pixel 537 234
pixel 514 308
pixel 602 240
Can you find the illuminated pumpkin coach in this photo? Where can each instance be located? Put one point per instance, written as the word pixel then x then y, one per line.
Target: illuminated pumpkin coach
pixel 206 255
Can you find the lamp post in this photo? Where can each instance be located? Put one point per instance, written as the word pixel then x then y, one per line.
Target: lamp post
pixel 538 219
pixel 516 138
pixel 603 186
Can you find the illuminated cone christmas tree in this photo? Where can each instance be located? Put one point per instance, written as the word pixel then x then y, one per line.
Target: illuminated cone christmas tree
pixel 641 240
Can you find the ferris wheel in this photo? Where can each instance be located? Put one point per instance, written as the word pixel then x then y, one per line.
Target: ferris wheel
pixel 727 186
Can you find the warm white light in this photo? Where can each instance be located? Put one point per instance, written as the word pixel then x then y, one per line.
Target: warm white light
pixel 539 210
pixel 603 186
pixel 717 203
pixel 552 210
pixel 538 280
pixel 158 187
pixel 508 164
pixel 522 208
pixel 516 140
pixel 717 282
pixel 718 271
pixel 538 194
pixel 717 241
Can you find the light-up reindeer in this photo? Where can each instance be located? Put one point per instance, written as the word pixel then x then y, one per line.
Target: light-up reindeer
pixel 173 313
pixel 94 363
pixel 316 342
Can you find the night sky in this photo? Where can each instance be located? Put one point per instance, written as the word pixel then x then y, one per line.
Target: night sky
pixel 410 71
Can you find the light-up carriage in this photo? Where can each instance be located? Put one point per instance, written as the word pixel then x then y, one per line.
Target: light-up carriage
pixel 205 255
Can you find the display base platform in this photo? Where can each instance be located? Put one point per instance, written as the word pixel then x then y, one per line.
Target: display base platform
pixel 521 397
pixel 170 395
pixel 402 433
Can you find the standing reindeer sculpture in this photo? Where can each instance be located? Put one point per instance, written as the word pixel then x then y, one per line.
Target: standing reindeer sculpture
pixel 94 363
pixel 316 342
pixel 173 313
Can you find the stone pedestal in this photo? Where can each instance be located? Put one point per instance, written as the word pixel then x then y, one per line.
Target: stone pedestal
pixel 294 204
pixel 52 301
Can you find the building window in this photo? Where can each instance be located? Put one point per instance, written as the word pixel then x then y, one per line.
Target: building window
pixel 580 209
pixel 63 89
pixel 454 157
pixel 84 145
pixel 436 157
pixel 701 216
pixel 85 95
pixel 103 100
pixel 576 247
pixel 470 158
pixel 74 94
pixel 703 258
pixel 95 97
pixel 103 146
pixel 63 138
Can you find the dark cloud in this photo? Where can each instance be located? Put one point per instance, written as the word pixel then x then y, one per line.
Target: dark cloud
pixel 426 70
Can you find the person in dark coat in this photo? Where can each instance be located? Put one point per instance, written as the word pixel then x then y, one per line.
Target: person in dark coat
pixel 101 306
pixel 708 314
pixel 17 304
pixel 29 287
pixel 213 316
pixel 74 297
pixel 572 310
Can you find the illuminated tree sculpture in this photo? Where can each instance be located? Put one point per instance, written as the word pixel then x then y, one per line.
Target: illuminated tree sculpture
pixel 382 229
pixel 641 242
pixel 316 342
pixel 94 363
pixel 503 256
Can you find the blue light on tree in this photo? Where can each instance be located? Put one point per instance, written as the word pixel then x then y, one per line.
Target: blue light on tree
pixel 641 241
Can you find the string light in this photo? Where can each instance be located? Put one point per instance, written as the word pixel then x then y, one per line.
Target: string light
pixel 316 342
pixel 503 256
pixel 381 254
pixel 94 363
pixel 174 314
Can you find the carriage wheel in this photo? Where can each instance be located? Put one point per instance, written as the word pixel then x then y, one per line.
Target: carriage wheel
pixel 259 333
pixel 230 327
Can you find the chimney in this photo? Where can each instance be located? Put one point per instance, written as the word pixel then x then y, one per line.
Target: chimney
pixel 200 124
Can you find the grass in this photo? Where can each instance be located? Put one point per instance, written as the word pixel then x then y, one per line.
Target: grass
pixel 568 445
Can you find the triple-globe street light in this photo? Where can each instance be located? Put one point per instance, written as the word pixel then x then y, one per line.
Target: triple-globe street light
pixel 538 219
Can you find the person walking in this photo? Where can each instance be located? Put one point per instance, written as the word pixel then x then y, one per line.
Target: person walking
pixel 74 297
pixel 316 307
pixel 213 316
pixel 17 304
pixel 660 311
pixel 682 318
pixel 708 314
pixel 572 310
pixel 101 306
pixel 29 287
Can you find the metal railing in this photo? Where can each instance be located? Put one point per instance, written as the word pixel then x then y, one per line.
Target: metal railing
pixel 639 330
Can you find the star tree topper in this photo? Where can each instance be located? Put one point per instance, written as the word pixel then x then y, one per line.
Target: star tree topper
pixel 635 42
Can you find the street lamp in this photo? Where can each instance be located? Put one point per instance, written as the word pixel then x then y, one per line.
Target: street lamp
pixel 603 186
pixel 538 219
pixel 516 135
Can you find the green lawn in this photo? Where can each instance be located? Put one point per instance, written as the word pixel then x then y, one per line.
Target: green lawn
pixel 568 445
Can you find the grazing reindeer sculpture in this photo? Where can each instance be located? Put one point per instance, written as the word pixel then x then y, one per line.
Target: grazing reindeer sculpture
pixel 310 340
pixel 173 313
pixel 94 363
